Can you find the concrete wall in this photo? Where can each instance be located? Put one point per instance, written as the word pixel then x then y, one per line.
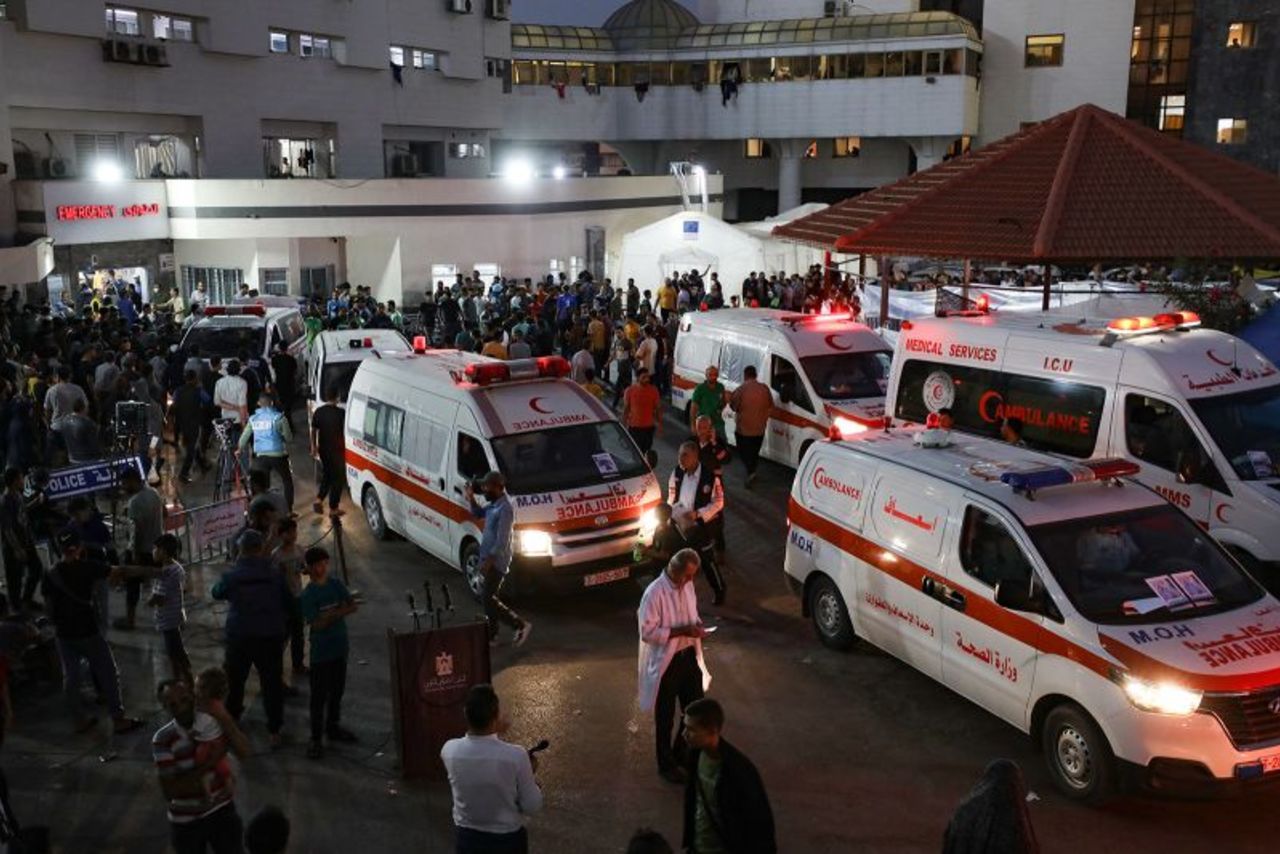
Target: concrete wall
pixel 1095 65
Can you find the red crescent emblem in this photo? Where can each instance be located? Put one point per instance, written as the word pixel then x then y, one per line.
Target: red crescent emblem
pixel 533 404
pixel 1218 512
pixel 831 342
pixel 1226 363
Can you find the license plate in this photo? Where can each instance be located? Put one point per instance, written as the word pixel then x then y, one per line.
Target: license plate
pixel 1271 763
pixel 605 577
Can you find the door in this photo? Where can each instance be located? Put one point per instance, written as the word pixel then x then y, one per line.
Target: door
pixel 428 518
pixel 983 655
pixel 735 357
pixel 469 461
pixel 1174 461
pixel 794 416
pixel 384 429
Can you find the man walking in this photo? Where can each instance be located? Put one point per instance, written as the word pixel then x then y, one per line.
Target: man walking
pixel 642 410
pixel 187 415
pixel 726 808
pixel 671 663
pixel 751 402
pixel 145 509
pixel 492 781
pixel 326 603
pixel 18 546
pixel 709 398
pixel 284 367
pixel 495 553
pixel 696 496
pixel 255 628
pixel 269 431
pixel 328 449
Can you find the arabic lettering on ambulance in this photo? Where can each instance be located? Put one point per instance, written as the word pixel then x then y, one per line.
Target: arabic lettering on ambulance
pixel 1246 642
pixel 882 604
pixel 1001 664
pixel 1237 374
pixel 891 507
pixel 993 409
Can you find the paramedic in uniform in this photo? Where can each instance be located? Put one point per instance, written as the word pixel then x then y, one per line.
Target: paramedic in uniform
pixel 671 663
pixel 697 504
pixel 270 433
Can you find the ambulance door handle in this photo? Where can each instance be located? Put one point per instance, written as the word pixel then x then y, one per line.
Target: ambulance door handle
pixel 442 483
pixel 955 599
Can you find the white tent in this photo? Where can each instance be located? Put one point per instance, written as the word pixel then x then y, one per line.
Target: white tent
pixel 784 256
pixel 686 241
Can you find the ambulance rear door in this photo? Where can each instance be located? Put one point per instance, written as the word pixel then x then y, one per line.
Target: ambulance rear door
pixel 429 512
pixel 794 419
pixel 736 353
pixel 469 458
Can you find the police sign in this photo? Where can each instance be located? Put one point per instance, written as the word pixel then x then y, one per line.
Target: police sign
pixel 89 478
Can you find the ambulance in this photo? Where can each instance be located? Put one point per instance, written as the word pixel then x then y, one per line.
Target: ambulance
pixel 248 327
pixel 1198 409
pixel 828 374
pixel 1074 603
pixel 421 426
pixel 336 355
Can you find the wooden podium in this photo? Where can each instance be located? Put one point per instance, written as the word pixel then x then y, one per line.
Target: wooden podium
pixel 431 672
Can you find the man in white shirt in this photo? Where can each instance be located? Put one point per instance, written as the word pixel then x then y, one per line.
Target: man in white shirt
pixel 231 394
pixel 492 781
pixel 671 663
pixel 581 362
pixel 647 351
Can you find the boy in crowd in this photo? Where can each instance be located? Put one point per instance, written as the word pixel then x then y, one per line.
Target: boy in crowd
pixel 288 558
pixel 325 606
pixel 166 598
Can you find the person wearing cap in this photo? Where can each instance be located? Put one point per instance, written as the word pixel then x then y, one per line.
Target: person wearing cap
pixel 270 434
pixel 68 594
pixel 495 553
pixel 256 628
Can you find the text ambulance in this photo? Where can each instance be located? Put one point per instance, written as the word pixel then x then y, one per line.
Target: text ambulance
pixel 1085 611
pixel 1198 409
pixel 827 373
pixel 420 427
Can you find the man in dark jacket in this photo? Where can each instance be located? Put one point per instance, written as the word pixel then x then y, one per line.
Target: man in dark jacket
pixel 726 809
pixel 256 628
pixel 188 416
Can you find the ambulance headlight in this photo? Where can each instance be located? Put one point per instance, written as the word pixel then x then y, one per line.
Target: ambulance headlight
pixel 648 523
pixel 534 543
pixel 1163 697
pixel 847 426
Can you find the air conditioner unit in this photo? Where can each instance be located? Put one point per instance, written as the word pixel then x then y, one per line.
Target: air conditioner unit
pixel 118 50
pixel 462 7
pixel 404 166
pixel 153 54
pixel 500 10
pixel 56 167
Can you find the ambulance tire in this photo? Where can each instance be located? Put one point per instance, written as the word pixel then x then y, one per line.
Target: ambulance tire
pixel 1078 755
pixel 469 560
pixel 373 515
pixel 830 616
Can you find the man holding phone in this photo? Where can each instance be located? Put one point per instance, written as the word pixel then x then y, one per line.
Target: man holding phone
pixel 671 663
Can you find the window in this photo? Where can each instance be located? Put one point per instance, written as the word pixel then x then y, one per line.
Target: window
pixel 314 46
pixel 383 425
pixel 1233 131
pixel 989 552
pixel 430 441
pixel 786 383
pixel 811 150
pixel 425 59
pixel 848 375
pixel 397 56
pixel 695 353
pixel 220 283
pixel 462 150
pixel 279 42
pixel 444 273
pixel 958 147
pixel 1242 425
pixel 170 28
pixel 933 62
pixel 122 22
pixel 487 272
pixel 1173 111
pixel 757 148
pixel 1240 34
pixel 1157 433
pixel 734 358
pixel 1044 51
pixel 846 146
pixel 567 457
pixel 472 462
pixel 274 280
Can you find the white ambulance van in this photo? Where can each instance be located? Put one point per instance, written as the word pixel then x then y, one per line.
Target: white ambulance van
pixel 336 355
pixel 1083 609
pixel 827 372
pixel 1199 410
pixel 248 327
pixel 420 427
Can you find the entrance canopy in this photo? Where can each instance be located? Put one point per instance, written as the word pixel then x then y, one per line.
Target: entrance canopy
pixel 690 241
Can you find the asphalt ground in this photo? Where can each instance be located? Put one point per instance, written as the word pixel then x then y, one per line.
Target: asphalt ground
pixel 858 751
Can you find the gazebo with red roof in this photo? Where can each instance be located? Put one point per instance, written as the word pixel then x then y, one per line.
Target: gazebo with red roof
pixel 1086 186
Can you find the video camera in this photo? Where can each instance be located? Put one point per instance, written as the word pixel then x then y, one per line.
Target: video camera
pixel 130 419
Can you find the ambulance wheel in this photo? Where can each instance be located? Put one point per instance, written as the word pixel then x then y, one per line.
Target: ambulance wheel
pixel 830 616
pixel 373 514
pixel 1078 755
pixel 470 562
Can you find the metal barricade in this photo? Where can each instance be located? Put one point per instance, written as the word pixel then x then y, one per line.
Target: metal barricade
pixel 207 532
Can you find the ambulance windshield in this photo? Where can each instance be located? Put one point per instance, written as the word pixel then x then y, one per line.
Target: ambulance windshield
pixel 227 340
pixel 338 376
pixel 1246 428
pixel 1141 566
pixel 847 375
pixel 568 457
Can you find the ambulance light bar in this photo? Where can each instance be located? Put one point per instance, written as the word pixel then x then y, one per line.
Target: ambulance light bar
pixel 1061 475
pixel 794 320
pixel 419 343
pixel 359 343
pixel 1168 320
pixel 220 310
pixel 488 373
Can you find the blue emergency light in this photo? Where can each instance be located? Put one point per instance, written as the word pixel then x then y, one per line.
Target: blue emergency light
pixel 1061 475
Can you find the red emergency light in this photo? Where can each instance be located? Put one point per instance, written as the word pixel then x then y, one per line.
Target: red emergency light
pixel 982 303
pixel 1132 324
pixel 1167 320
pixel 419 343
pixel 488 373
pixel 230 310
pixel 359 344
pixel 1068 473
pixel 1177 318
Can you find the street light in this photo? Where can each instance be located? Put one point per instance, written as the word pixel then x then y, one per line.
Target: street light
pixel 519 171
pixel 558 173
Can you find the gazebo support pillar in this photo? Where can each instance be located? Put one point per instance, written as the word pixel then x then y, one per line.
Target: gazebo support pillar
pixel 884 292
pixel 1048 278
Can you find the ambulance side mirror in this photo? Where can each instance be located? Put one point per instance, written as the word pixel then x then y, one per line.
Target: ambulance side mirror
pixel 1018 596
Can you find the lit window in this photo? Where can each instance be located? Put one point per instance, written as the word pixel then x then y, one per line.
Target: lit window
pixel 1240 34
pixel 170 28
pixel 279 42
pixel 757 148
pixel 183 30
pixel 1233 131
pixel 1044 51
pixel 313 46
pixel 1173 111
pixel 958 147
pixel 424 59
pixel 397 56
pixel 811 151
pixel 847 146
pixel 477 150
pixel 122 22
